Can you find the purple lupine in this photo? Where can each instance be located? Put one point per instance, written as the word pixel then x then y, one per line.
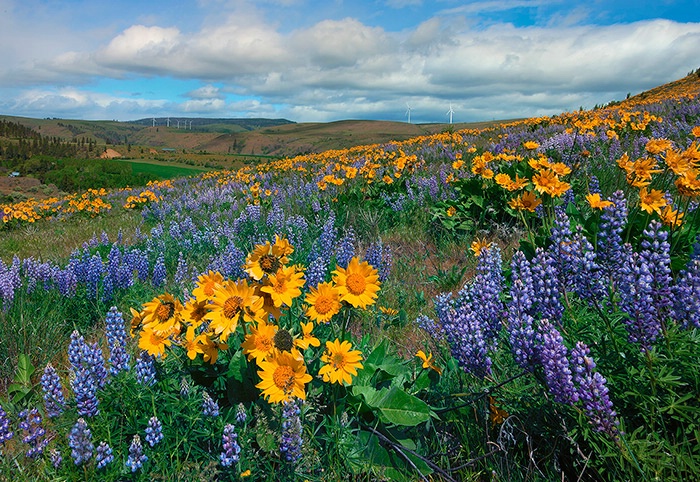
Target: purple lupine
pixel 103 455
pixel 379 256
pixel 316 271
pixel 291 438
pixel 464 334
pixel 117 340
pixel 231 449
pixel 656 252
pixel 430 326
pixel 145 369
pixel 296 229
pixel 611 252
pixel 210 408
pixel 593 392
pixel 483 294
pixel 95 360
pixel 85 391
pixel 553 356
pixel 241 415
pixel 80 442
pixel 5 432
pixel 346 248
pixel 34 433
pixel 182 271
pixel 76 350
pixel 154 431
pixel 67 281
pixel 107 288
pixel 547 300
pixel 686 295
pixel 94 271
pixel 521 332
pixel 159 272
pixel 54 401
pixel 136 457
pixel 55 458
pixel 637 302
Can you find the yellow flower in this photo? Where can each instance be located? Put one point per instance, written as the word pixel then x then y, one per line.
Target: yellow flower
pixel 527 201
pixel 388 311
pixel 657 146
pixel 358 284
pixel 246 473
pixel 162 314
pixel 671 217
pixel 194 311
pixel 341 362
pixel 231 301
pixel 267 259
pixel 259 343
pixel 478 245
pixel 428 361
pixel 193 344
pixel 284 285
pixel 696 131
pixel 324 302
pixel 307 338
pixel 451 211
pixel 154 342
pixel 206 283
pixel 283 376
pixel 530 145
pixel 596 202
pixel 652 200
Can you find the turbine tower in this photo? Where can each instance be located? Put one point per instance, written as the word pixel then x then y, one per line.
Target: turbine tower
pixel 168 121
pixel 154 122
pixel 450 112
pixel 408 112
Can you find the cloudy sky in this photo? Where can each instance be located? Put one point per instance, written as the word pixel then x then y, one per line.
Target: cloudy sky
pixel 308 60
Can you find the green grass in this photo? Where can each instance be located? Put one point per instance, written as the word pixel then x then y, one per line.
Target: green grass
pixel 163 171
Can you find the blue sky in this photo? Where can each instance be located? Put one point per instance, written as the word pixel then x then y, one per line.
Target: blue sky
pixel 311 61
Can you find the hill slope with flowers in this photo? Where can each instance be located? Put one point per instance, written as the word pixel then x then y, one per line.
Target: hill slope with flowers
pixel 515 302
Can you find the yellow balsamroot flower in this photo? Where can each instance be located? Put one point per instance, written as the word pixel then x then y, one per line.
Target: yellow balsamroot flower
pixel 596 202
pixel 284 285
pixel 428 361
pixel 211 348
pixel 451 211
pixel 358 284
pixel 267 259
pixel 503 180
pixel 162 314
pixel 478 245
pixel 678 162
pixel 689 183
pixel 154 342
pixel 696 131
pixel 206 283
pixel 194 312
pixel 652 200
pixel 671 217
pixel 307 338
pixel 193 344
pixel 324 302
pixel 283 376
pixel 259 343
pixel 530 145
pixel 341 362
pixel 231 301
pixel 527 201
pixel 657 146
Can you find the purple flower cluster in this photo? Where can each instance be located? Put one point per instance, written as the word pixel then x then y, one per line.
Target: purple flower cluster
pixel 104 455
pixel 80 442
pixel 210 408
pixel 5 432
pixel 54 401
pixel 379 256
pixel 145 369
pixel 553 356
pixel 34 433
pixel 136 457
pixel 346 248
pixel 231 449
pixel 291 440
pixel 117 339
pixel 154 431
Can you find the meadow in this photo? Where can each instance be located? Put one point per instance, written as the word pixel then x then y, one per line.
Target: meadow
pixel 514 302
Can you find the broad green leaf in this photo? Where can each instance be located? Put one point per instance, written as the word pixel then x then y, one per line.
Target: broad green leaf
pixel 25 370
pixel 395 406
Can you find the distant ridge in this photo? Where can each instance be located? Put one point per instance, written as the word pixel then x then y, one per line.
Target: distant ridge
pixel 247 123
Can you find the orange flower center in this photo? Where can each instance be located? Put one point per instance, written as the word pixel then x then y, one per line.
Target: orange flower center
pixel 232 306
pixel 269 263
pixel 165 311
pixel 323 305
pixel 198 312
pixel 283 377
pixel 263 343
pixel 338 361
pixel 356 284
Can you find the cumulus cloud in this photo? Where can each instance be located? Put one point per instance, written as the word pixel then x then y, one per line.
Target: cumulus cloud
pixel 344 67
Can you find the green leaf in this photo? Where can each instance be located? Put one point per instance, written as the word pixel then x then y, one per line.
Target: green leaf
pixel 395 405
pixel 25 370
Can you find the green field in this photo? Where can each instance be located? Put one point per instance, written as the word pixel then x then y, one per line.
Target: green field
pixel 162 170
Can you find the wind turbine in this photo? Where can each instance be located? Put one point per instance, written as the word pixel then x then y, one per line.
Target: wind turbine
pixel 450 112
pixel 154 122
pixel 408 112
pixel 168 121
pixel 178 123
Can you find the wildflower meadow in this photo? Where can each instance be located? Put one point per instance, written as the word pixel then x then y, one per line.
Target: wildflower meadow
pixel 518 302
